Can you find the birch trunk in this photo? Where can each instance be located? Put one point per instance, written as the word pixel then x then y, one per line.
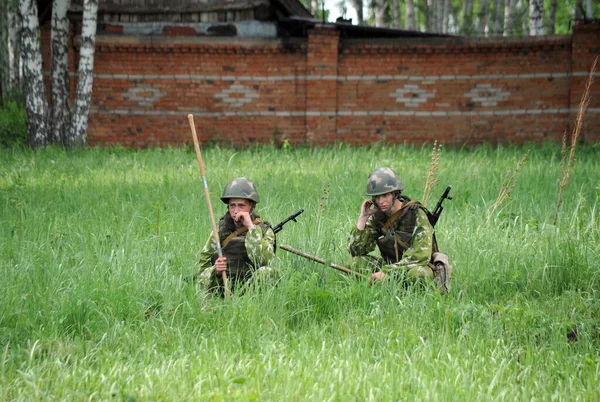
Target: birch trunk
pixel 410 15
pixel 78 131
pixel 578 9
pixel 10 50
pixel 536 17
pixel 445 16
pixel 499 17
pixel 4 64
pixel 552 17
pixel 396 14
pixel 589 10
pixel 61 108
pixel 358 6
pixel 36 105
pixel 379 11
pixel 467 20
pixel 509 17
pixel 482 17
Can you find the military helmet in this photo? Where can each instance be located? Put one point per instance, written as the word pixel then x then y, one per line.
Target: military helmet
pixel 382 181
pixel 240 187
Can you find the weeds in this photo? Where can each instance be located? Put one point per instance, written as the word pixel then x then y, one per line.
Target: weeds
pixel 508 185
pixel 432 173
pixel 566 168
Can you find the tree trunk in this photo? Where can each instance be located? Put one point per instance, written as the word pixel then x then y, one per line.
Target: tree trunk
pixel 499 17
pixel 536 17
pixel 482 17
pixel 396 14
pixel 358 6
pixel 509 17
pixel 445 16
pixel 379 10
pixel 10 50
pixel 467 20
pixel 78 130
pixel 36 104
pixel 429 15
pixel 589 10
pixel 61 108
pixel 4 65
pixel 578 9
pixel 524 12
pixel 410 16
pixel 552 17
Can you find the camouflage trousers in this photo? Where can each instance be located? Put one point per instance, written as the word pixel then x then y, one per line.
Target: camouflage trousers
pixel 369 264
pixel 440 275
pixel 213 283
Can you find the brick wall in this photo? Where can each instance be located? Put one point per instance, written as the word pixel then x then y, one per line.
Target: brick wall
pixel 324 89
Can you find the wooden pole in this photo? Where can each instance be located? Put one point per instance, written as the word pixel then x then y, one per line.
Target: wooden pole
pixel 322 261
pixel 207 196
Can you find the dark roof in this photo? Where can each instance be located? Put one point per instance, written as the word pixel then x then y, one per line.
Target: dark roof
pixel 299 25
pixel 289 7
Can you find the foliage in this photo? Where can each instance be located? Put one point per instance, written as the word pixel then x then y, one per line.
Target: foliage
pixel 96 246
pixel 13 128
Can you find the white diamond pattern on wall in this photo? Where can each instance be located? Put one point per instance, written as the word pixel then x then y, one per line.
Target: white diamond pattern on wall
pixel 144 94
pixel 487 95
pixel 237 95
pixel 411 95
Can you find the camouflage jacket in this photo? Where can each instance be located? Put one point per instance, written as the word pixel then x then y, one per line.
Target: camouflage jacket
pixel 258 244
pixel 420 244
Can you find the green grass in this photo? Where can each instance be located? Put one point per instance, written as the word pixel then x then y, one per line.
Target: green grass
pixel 97 245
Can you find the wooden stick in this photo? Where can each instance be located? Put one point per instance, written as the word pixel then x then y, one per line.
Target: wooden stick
pixel 207 196
pixel 322 261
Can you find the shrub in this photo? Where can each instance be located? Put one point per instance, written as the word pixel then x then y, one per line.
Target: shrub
pixel 13 128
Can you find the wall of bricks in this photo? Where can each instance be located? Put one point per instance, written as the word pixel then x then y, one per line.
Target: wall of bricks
pixel 325 89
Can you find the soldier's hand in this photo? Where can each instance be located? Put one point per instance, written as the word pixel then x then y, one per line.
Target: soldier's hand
pixel 221 264
pixel 366 208
pixel 244 218
pixel 376 277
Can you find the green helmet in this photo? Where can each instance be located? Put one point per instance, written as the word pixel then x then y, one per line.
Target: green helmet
pixel 382 181
pixel 240 187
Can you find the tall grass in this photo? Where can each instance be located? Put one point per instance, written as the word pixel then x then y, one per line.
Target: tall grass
pixel 96 247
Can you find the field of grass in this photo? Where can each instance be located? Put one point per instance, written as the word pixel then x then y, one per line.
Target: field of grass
pixel 97 248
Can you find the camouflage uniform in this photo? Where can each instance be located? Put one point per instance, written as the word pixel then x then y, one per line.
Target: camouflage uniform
pixel 405 240
pixel 248 251
pixel 394 260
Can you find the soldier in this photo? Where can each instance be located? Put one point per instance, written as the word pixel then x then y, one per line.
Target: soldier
pixel 398 226
pixel 247 243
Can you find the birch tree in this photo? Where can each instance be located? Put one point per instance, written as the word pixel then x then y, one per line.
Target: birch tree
pixel 499 17
pixel 379 7
pixel 578 9
pixel 552 17
pixel 482 17
pixel 358 6
pixel 61 109
pixel 410 15
pixel 536 17
pixel 467 17
pixel 589 10
pixel 509 17
pixel 77 133
pixel 10 49
pixel 36 105
pixel 396 14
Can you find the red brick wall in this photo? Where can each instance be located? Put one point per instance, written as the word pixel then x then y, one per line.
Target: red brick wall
pixel 326 89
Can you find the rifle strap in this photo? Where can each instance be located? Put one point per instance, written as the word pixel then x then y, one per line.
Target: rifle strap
pixel 238 232
pixel 390 222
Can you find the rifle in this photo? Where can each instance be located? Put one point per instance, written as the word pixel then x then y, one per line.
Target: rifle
pixel 435 215
pixel 279 227
pixel 322 261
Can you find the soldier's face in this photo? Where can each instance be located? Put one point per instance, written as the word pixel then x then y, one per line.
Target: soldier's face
pixel 384 201
pixel 237 205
